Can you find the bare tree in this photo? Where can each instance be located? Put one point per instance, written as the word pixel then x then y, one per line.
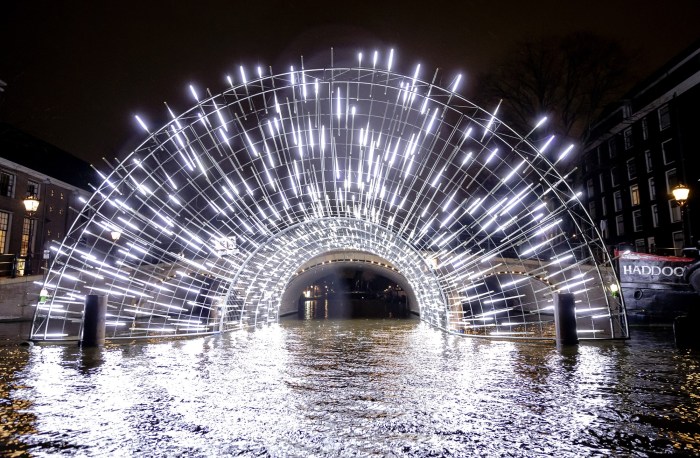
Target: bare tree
pixel 570 79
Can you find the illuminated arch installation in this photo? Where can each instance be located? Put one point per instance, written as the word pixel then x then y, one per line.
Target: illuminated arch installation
pixel 202 227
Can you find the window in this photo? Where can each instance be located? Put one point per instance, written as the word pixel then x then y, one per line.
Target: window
pixel 604 205
pixel 631 169
pixel 637 220
pixel 620 225
pixel 675 211
pixel 591 209
pixel 664 117
pixel 634 194
pixel 27 244
pixel 617 201
pixel 678 242
pixel 645 129
pixel 61 196
pixel 591 190
pixel 32 188
pixel 604 228
pixel 7 184
pixel 667 152
pixel 652 189
pixel 647 159
pixel 612 147
pixel 655 215
pixel 651 243
pixel 613 176
pixel 602 182
pixel 627 136
pixel 4 230
pixel 639 246
pixel 671 180
pixel 600 158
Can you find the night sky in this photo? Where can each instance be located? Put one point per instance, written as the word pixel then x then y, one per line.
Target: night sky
pixel 77 72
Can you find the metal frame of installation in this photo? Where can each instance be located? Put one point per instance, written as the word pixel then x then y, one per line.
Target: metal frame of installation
pixel 204 226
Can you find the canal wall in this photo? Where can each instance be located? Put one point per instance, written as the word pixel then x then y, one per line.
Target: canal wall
pixel 18 297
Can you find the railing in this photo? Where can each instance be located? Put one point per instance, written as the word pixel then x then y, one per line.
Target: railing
pixel 12 265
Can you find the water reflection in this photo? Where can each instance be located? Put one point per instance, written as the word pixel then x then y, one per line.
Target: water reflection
pixel 351 388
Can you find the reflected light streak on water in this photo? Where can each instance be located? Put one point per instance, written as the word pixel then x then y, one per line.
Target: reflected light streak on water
pixel 350 388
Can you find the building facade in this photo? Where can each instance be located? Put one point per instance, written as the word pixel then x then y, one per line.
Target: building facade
pixel 30 167
pixel 642 149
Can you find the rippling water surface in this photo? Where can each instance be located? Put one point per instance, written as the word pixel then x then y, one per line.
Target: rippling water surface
pixel 351 388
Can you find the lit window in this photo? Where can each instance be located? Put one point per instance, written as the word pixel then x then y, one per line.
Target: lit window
pixel 627 136
pixel 634 194
pixel 655 215
pixel 645 129
pixel 27 241
pixel 637 220
pixel 617 201
pixel 667 152
pixel 620 225
pixel 4 230
pixel 664 117
pixel 631 169
pixel 7 184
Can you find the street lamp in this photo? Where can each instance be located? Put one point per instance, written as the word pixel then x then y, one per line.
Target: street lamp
pixel 31 204
pixel 680 194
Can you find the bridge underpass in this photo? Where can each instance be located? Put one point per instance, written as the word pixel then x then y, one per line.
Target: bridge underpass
pixel 209 223
pixel 344 272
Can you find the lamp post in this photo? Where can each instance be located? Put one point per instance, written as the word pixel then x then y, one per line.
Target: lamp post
pixel 31 205
pixel 681 193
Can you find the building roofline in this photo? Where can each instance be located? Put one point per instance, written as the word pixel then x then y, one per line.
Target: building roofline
pixel 43 178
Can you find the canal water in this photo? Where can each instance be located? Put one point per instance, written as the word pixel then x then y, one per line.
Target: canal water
pixel 327 388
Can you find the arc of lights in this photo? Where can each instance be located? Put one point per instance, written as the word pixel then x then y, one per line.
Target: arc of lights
pixel 218 209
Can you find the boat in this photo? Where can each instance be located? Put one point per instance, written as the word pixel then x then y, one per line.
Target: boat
pixel 656 289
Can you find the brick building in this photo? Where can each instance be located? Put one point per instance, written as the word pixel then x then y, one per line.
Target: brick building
pixel 29 166
pixel 641 150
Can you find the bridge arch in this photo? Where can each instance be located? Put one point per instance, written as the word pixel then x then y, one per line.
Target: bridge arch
pixel 329 264
pixel 202 227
